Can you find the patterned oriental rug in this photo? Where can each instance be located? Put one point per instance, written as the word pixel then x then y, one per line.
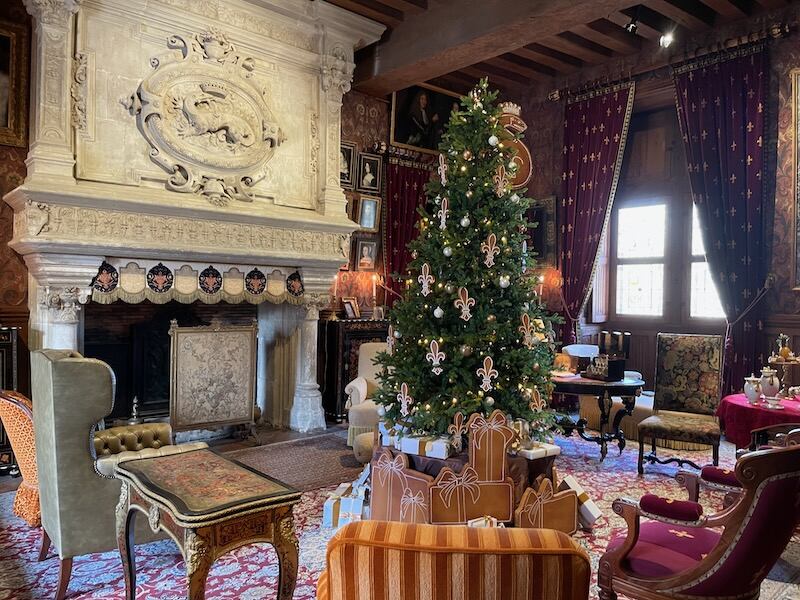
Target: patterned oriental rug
pixel 250 573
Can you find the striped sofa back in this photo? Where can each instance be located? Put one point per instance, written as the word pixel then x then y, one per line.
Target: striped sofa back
pixel 379 560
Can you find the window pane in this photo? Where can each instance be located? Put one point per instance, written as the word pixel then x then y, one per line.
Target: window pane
pixel 697 236
pixel 640 231
pixel 704 298
pixel 640 289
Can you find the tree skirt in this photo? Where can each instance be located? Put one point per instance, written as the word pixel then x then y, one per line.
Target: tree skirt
pixel 250 573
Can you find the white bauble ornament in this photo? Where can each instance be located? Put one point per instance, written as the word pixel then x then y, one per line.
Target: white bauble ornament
pixel 515 197
pixel 438 312
pixel 449 288
pixel 504 281
pixel 381 410
pixel 493 141
pixel 397 334
pixel 489 401
pixel 464 221
pixel 447 251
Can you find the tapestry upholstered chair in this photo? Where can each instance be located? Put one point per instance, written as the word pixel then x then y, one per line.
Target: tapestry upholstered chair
pixel 362 414
pixel 16 413
pixel 78 493
pixel 680 553
pixel 437 562
pixel 687 392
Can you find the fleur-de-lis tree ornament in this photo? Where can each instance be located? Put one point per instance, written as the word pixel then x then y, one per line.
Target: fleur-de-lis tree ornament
pixel 426 280
pixel 457 429
pixel 500 181
pixel 390 339
pixel 487 372
pixel 526 329
pixel 442 170
pixel 537 402
pixel 490 249
pixel 442 214
pixel 465 303
pixel 405 399
pixel 435 356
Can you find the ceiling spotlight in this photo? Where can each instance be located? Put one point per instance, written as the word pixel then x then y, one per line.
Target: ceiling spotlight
pixel 665 40
pixel 632 26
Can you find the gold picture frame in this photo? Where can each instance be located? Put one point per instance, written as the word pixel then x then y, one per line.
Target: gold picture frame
pixel 212 375
pixel 410 132
pixel 351 310
pixel 14 60
pixel 369 213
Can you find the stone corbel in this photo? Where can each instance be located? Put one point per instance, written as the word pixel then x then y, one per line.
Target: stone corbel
pixel 52 11
pixel 64 304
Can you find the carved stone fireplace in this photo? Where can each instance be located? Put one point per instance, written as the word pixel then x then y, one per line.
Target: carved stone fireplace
pixel 191 135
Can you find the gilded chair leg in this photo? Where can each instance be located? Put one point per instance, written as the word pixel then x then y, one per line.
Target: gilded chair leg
pixel 64 574
pixel 44 545
pixel 715 454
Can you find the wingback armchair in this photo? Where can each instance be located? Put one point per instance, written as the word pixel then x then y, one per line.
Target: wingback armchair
pixel 71 395
pixel 16 413
pixel 679 553
pixel 362 414
pixel 437 562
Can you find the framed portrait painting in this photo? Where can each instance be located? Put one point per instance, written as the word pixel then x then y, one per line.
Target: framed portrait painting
pixel 366 255
pixel 419 116
pixel 347 165
pixel 543 242
pixel 369 213
pixel 351 309
pixel 14 50
pixel 369 173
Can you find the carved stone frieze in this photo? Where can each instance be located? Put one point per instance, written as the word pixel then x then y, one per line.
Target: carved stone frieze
pixel 314 129
pixel 204 114
pixel 78 91
pixel 69 223
pixel 52 11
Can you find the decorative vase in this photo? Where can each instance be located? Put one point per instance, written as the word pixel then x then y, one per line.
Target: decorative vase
pixel 752 388
pixel 770 382
pixel 784 351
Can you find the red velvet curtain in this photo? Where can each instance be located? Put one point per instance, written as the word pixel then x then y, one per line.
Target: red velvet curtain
pixel 595 129
pixel 721 104
pixel 405 192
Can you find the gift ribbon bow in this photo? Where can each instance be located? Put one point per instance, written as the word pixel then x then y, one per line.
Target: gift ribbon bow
pixel 467 481
pixel 480 425
pixel 387 467
pixel 413 501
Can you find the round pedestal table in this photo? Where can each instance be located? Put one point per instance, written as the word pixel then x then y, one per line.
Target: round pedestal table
pixel 737 417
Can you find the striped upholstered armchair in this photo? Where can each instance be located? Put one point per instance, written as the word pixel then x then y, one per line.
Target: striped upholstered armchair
pixel 367 558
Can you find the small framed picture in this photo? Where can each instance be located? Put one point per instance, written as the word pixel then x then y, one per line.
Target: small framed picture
pixel 366 255
pixel 369 213
pixel 369 172
pixel 351 307
pixel 347 165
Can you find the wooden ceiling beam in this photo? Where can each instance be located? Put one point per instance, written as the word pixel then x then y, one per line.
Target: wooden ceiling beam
pixel 642 29
pixel 563 63
pixel 730 9
pixel 411 7
pixel 611 35
pixel 655 23
pixel 499 77
pixel 453 34
pixel 529 69
pixel 391 17
pixel 687 13
pixel 453 82
pixel 575 45
pixel 770 4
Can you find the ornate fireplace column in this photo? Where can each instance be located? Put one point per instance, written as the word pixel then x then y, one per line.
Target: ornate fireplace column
pixel 51 152
pixel 307 413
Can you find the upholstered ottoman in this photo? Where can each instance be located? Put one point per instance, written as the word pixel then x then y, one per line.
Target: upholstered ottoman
pixel 362 418
pixel 362 447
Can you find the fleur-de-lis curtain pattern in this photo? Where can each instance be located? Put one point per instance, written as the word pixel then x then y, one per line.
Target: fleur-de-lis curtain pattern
pixel 595 129
pixel 721 103
pixel 405 192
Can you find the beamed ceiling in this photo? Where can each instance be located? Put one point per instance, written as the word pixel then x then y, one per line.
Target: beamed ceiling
pixel 518 44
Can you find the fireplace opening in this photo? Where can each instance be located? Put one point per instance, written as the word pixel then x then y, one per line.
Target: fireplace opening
pixel 134 340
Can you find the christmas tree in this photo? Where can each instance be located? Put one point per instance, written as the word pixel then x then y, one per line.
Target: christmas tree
pixel 469 334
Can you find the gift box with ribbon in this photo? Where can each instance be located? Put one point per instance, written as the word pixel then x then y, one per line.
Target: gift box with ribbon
pixel 352 509
pixel 540 450
pixel 543 508
pixel 457 498
pixel 588 511
pixel 392 481
pixel 485 521
pixel 331 509
pixel 490 438
pixel 431 446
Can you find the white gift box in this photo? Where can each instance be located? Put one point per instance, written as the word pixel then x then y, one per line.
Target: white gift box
pixel 541 450
pixel 588 511
pixel 331 510
pixel 485 522
pixel 352 509
pixel 433 447
pixel 388 439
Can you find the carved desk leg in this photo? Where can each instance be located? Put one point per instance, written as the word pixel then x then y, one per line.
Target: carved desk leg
pixel 199 558
pixel 287 548
pixel 125 532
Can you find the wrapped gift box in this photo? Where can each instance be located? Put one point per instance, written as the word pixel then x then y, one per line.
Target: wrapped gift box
pixel 485 521
pixel 352 509
pixel 588 511
pixel 541 450
pixel 541 507
pixel 332 507
pixel 434 447
pixel 391 436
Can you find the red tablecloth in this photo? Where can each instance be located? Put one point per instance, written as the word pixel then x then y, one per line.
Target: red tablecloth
pixel 737 417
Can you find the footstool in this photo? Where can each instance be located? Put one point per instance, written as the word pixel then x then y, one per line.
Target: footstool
pixel 363 446
pixel 208 505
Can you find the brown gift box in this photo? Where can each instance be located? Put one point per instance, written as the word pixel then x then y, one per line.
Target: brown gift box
pixel 457 498
pixel 544 508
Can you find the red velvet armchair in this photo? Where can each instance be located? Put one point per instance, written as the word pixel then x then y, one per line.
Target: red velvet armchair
pixel 680 553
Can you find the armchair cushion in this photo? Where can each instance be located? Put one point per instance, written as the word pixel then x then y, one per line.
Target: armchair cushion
pixel 688 427
pixel 720 476
pixel 680 510
pixel 663 549
pixel 132 438
pixel 105 465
